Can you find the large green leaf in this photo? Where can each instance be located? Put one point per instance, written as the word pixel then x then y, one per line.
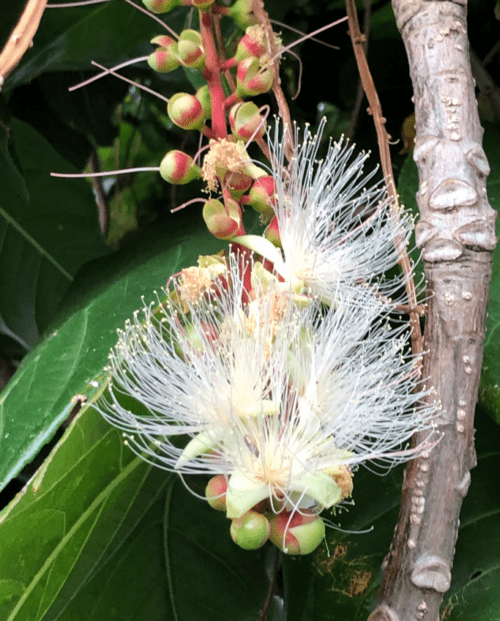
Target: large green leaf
pixel 48 230
pixel 70 38
pixel 99 534
pixel 489 392
pixel 38 398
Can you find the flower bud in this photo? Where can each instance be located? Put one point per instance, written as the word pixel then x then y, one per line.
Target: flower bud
pixel 216 492
pixel 191 51
pixel 251 80
pixel 185 111
pixel 299 535
pixel 262 196
pixel 203 96
pixel 179 168
pixel 237 183
pixel 160 6
pixel 272 232
pixel 241 13
pixel 202 4
pixel 251 530
pixel 246 120
pixel 251 44
pixel 222 222
pixel 164 59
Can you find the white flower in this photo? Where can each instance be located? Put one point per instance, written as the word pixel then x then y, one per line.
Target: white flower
pixel 281 400
pixel 336 227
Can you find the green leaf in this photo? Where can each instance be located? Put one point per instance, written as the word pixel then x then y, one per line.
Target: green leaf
pixel 71 38
pixel 38 398
pixel 98 534
pixel 48 230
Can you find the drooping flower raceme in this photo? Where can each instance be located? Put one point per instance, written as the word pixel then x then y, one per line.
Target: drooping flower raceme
pixel 336 227
pixel 280 400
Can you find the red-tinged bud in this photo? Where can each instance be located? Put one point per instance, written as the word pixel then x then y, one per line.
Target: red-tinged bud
pixel 251 530
pixel 241 13
pixel 262 197
pixel 237 183
pixel 251 80
pixel 223 221
pixel 216 492
pixel 202 4
pixel 179 168
pixel 272 232
pixel 164 59
pixel 299 535
pixel 161 6
pixel 251 44
pixel 246 121
pixel 191 51
pixel 185 111
pixel 203 96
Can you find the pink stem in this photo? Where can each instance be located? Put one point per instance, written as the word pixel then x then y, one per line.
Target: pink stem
pixel 212 76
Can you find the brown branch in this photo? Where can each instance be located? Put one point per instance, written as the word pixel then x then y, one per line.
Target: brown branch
pixel 21 37
pixel 360 95
pixel 456 234
pixel 385 156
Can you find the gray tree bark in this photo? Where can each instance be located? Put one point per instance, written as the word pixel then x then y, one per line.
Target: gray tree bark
pixel 456 234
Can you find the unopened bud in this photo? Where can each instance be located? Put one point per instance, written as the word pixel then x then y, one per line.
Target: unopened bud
pixel 202 4
pixel 185 111
pixel 246 121
pixel 251 80
pixel 164 59
pixel 191 52
pixel 251 530
pixel 251 44
pixel 298 534
pixel 262 196
pixel 223 221
pixel 203 96
pixel 215 492
pixel 241 13
pixel 161 6
pixel 272 232
pixel 179 168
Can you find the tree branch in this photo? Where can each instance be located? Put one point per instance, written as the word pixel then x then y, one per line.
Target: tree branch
pixel 456 234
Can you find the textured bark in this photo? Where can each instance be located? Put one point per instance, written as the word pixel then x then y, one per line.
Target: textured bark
pixel 456 234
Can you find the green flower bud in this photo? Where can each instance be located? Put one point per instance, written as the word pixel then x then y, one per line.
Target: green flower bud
pixel 262 196
pixel 216 492
pixel 221 222
pixel 251 44
pixel 301 534
pixel 241 13
pixel 246 120
pixel 251 80
pixel 186 111
pixel 251 530
pixel 164 59
pixel 179 168
pixel 203 96
pixel 191 51
pixel 202 4
pixel 160 6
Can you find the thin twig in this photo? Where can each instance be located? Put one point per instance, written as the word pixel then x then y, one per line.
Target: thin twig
pixel 361 93
pixel 385 157
pixel 264 611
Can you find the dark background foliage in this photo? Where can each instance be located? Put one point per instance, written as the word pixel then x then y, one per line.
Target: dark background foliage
pixel 98 534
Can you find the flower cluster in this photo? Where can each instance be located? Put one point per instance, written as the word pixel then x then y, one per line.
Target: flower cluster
pixel 276 369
